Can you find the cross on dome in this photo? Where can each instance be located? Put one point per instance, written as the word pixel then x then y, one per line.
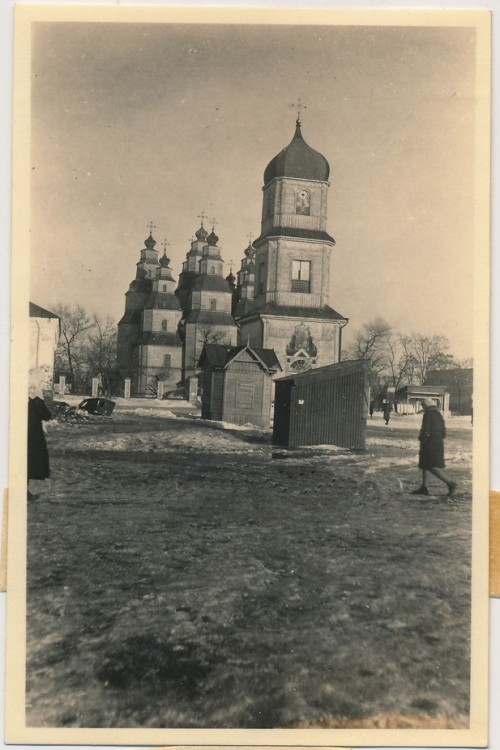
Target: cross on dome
pixel 299 106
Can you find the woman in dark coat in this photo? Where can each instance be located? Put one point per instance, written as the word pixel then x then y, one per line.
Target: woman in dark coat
pixel 431 455
pixel 38 455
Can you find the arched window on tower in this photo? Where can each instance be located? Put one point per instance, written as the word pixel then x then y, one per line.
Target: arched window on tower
pixel 303 202
pixel 212 269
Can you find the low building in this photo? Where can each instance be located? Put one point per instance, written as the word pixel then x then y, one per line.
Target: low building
pixel 237 384
pixel 323 406
pixel 458 382
pixel 44 336
pixel 408 400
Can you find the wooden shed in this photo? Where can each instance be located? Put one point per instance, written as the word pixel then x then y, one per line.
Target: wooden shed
pixel 323 406
pixel 237 384
pixel 409 398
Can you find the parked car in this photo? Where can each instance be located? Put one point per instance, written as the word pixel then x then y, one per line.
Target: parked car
pixel 100 406
pixel 179 394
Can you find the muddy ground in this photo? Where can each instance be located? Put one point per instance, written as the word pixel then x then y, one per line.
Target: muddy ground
pixel 182 576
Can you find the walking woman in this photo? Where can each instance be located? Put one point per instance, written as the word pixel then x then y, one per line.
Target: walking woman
pixel 431 456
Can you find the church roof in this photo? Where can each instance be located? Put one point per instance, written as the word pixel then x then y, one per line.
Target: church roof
pixel 40 312
pixel 290 311
pixel 162 301
pixel 298 160
pixel 219 356
pixel 132 316
pixel 211 317
pixel 141 285
pixel 306 234
pixel 211 283
pixel 326 372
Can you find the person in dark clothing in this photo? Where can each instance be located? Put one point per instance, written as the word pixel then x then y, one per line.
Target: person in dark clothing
pixel 371 407
pixel 387 411
pixel 431 455
pixel 38 412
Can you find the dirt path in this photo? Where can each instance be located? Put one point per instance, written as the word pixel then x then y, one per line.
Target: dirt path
pixel 181 576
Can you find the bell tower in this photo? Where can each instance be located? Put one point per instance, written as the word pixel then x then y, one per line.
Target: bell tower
pixel 293 255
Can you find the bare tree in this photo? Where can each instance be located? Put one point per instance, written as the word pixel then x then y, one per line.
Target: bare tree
pixel 100 350
pixel 397 359
pixel 371 344
pixel 70 350
pixel 410 361
pixel 430 353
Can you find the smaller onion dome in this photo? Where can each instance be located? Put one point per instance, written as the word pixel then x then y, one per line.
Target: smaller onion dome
pixel 212 238
pixel 250 251
pixel 164 261
pixel 150 242
pixel 202 233
pixel 230 278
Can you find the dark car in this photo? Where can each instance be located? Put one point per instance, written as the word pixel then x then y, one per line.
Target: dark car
pixel 179 394
pixel 100 406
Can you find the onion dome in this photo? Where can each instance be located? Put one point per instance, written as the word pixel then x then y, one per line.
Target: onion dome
pixel 164 261
pixel 250 251
pixel 230 278
pixel 212 238
pixel 150 242
pixel 298 160
pixel 202 233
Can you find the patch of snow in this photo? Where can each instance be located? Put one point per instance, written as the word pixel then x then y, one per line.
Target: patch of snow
pixel 327 448
pixel 142 412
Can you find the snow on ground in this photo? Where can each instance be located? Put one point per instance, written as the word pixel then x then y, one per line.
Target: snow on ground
pixel 162 441
pixel 151 405
pixel 213 435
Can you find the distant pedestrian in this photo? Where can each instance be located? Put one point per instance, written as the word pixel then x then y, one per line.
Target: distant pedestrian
pixel 372 407
pixel 38 455
pixel 387 408
pixel 431 455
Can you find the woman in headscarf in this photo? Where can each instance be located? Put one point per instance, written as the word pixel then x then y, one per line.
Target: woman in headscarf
pixel 38 455
pixel 431 455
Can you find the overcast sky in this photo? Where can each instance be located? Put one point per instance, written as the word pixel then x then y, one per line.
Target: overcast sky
pixel 140 122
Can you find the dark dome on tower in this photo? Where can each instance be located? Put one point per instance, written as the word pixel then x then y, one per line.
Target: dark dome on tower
pixel 212 238
pixel 149 242
pixel 298 160
pixel 202 233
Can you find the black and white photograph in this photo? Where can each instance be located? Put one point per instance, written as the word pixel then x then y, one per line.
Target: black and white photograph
pixel 249 485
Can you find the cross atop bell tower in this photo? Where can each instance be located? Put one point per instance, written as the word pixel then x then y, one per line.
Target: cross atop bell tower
pixel 299 107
